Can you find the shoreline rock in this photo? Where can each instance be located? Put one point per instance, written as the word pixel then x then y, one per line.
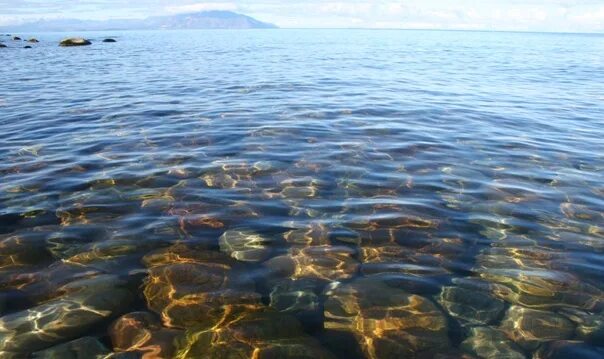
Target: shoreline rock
pixel 74 41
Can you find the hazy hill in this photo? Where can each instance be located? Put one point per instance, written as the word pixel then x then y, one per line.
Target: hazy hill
pixel 198 20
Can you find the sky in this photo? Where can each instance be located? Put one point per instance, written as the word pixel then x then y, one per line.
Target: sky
pixel 515 15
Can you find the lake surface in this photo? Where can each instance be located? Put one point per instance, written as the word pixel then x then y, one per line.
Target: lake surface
pixel 303 193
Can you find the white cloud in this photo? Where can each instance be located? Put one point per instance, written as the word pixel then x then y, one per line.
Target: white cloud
pixel 590 20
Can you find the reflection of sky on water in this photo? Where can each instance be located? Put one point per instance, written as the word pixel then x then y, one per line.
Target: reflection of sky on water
pixel 386 194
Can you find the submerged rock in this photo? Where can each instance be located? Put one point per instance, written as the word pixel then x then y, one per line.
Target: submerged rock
pixel 529 328
pixel 2 45
pixel 196 288
pixel 313 234
pixel 181 253
pixel 45 283
pixel 590 326
pixel 22 250
pixel 569 349
pixel 27 47
pixel 245 246
pixel 109 40
pixel 85 347
pixel 398 259
pixel 61 319
pixel 542 288
pixel 3 299
pixel 295 296
pixel 74 41
pixel 141 332
pixel 471 306
pixel 253 335
pixel 320 262
pixel 486 342
pixel 194 294
pixel 387 322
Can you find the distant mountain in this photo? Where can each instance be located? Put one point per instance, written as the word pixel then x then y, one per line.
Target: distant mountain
pixel 198 20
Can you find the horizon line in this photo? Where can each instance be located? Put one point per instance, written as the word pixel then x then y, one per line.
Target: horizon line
pixel 7 28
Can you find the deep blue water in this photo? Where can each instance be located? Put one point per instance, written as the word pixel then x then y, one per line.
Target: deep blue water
pixel 317 193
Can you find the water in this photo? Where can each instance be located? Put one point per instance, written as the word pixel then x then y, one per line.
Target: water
pixel 298 193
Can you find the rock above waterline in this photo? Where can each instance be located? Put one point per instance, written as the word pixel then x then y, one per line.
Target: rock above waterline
pixel 109 40
pixel 17 38
pixel 27 47
pixel 2 45
pixel 75 41
pixel 33 40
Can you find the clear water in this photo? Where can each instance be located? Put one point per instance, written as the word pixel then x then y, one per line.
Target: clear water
pixel 303 193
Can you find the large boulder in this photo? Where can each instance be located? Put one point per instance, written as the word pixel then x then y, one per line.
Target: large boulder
pixel 74 41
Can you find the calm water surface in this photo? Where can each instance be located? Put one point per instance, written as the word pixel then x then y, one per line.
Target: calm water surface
pixel 303 194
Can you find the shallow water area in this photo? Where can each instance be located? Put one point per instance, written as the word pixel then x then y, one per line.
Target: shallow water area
pixel 303 194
